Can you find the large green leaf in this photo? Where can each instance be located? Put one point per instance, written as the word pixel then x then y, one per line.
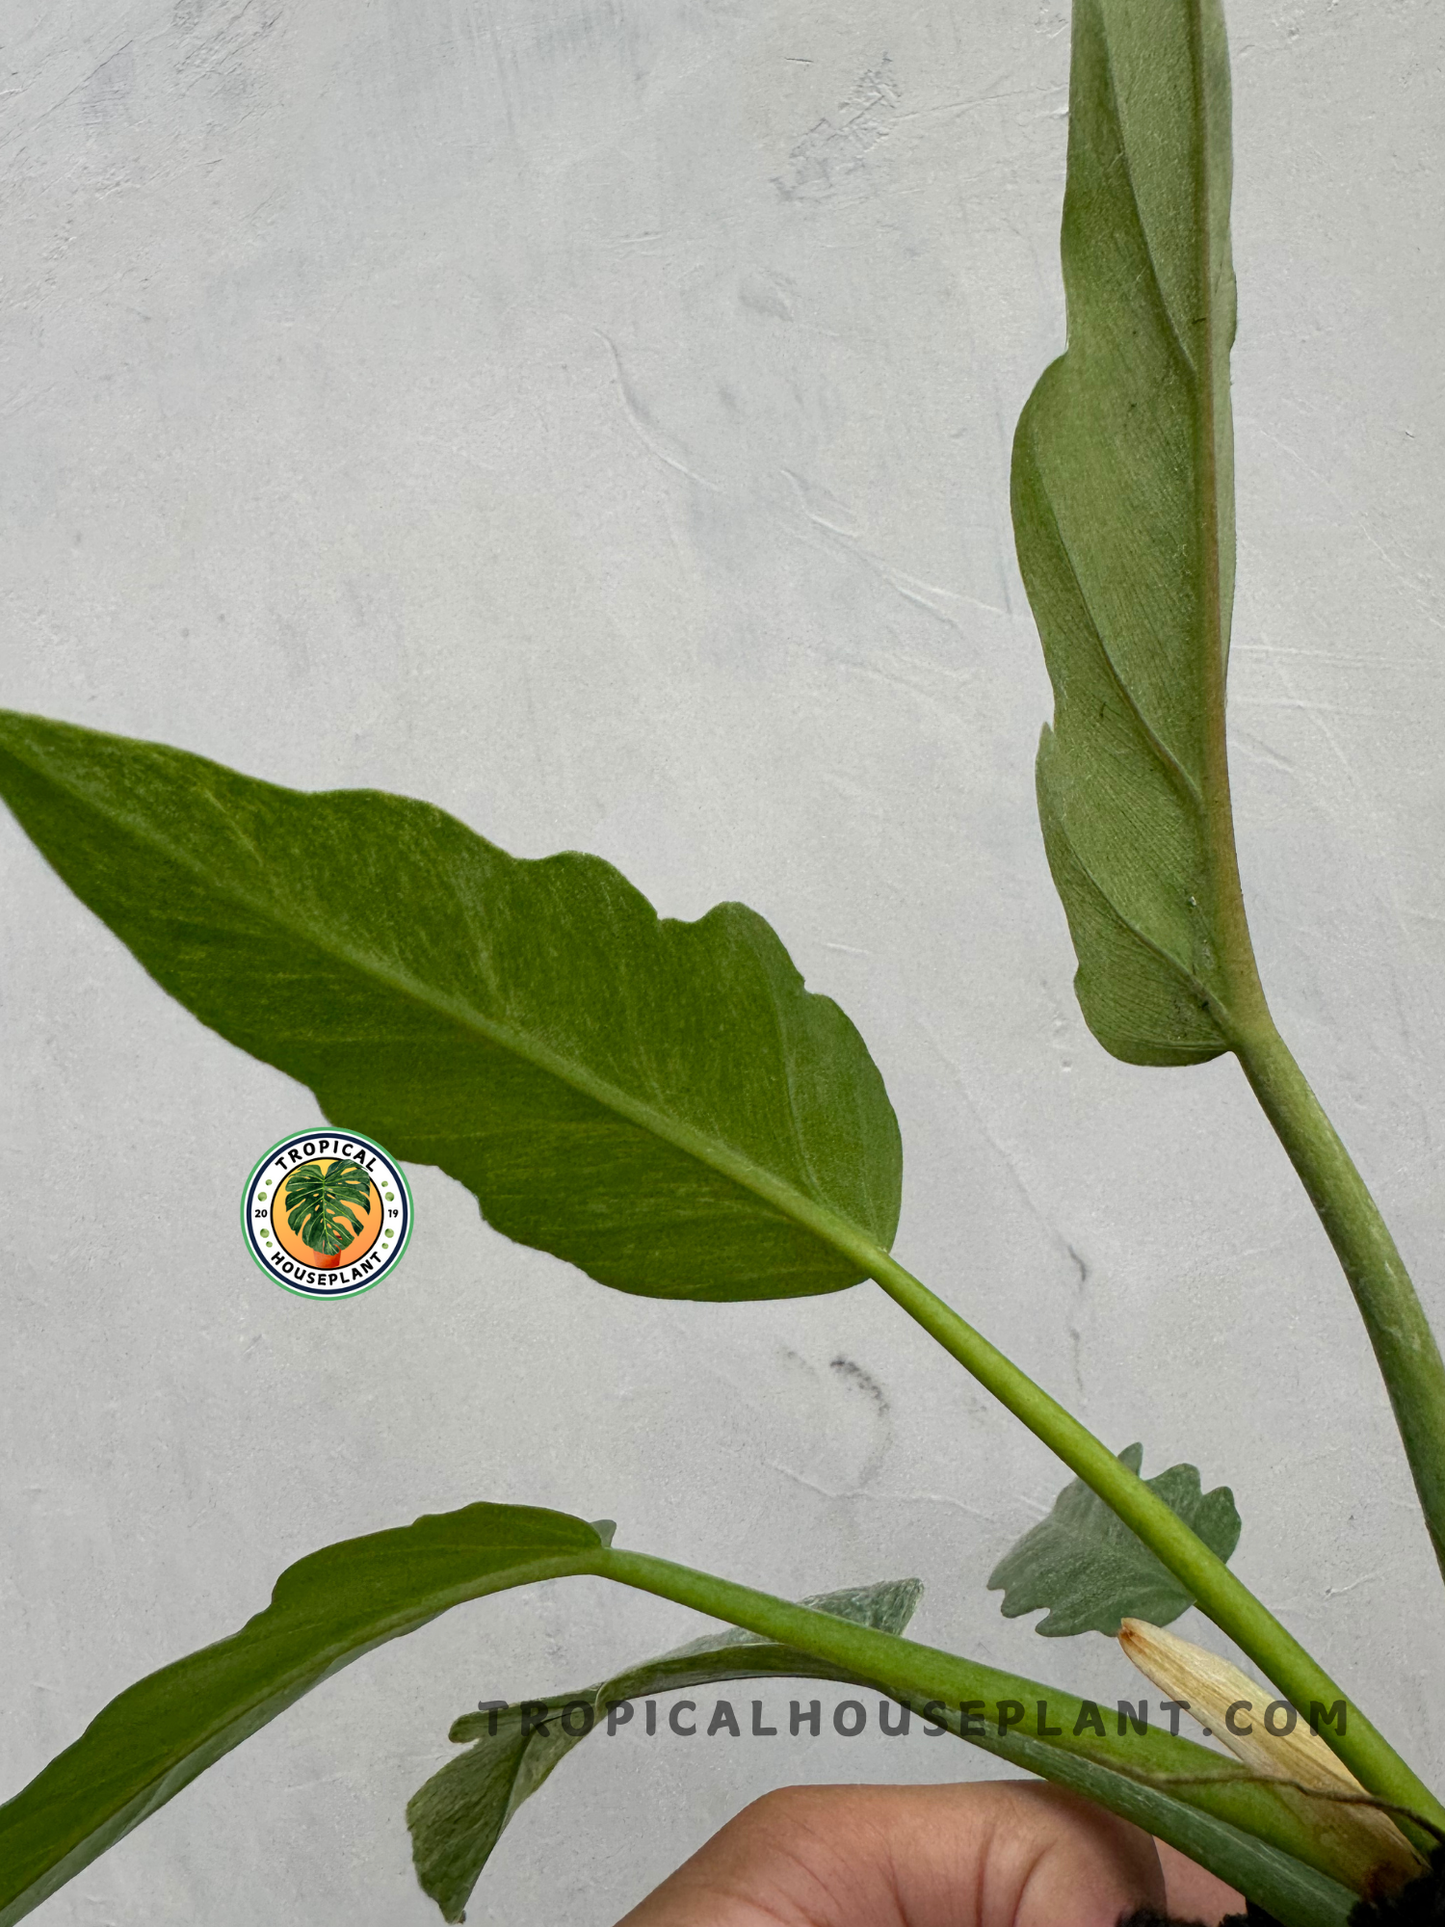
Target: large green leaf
pixel 1124 519
pixel 1092 1572
pixel 458 1816
pixel 662 1103
pixel 326 1611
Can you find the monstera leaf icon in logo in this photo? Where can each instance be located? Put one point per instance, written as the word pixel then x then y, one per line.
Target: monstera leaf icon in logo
pixel 318 1197
pixel 326 1214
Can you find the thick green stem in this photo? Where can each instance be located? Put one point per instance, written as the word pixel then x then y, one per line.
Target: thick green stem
pixel 1016 1718
pixel 1405 1346
pixel 1226 1599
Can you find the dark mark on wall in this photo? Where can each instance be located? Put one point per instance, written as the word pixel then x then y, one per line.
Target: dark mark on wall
pixel 855 1375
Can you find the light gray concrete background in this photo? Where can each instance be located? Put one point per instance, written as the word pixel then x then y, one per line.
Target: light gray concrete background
pixel 593 416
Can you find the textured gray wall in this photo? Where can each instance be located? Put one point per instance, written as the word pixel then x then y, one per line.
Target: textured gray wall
pixel 593 416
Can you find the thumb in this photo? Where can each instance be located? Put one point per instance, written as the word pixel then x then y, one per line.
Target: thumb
pixel 996 1854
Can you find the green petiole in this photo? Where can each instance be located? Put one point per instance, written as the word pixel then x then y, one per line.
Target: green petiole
pixel 1406 1348
pixel 1046 1740
pixel 1224 1597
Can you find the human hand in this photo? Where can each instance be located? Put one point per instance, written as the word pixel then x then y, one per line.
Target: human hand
pixel 994 1854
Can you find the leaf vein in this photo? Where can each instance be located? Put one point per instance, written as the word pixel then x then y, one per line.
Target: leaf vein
pixel 1155 278
pixel 1156 742
pixel 1167 957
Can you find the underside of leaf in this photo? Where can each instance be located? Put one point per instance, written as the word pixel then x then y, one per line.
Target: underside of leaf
pixel 1123 514
pixel 458 1816
pixel 1093 1572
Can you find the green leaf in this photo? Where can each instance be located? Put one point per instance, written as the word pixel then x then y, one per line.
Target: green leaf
pixel 1092 1572
pixel 317 1203
pixel 661 1103
pixel 458 1816
pixel 1123 512
pixel 326 1611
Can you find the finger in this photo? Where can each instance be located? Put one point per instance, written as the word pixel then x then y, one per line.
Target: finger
pixel 1194 1893
pixel 991 1855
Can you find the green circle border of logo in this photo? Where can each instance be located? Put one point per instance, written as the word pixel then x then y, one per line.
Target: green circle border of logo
pixel 302 1291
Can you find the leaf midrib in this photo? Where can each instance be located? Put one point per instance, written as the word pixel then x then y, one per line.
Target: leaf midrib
pixel 849 1239
pixel 1227 907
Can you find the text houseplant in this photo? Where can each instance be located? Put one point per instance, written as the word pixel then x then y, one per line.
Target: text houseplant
pixel 562 1062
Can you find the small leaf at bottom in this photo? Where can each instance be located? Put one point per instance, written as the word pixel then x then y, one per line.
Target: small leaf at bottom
pixel 458 1816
